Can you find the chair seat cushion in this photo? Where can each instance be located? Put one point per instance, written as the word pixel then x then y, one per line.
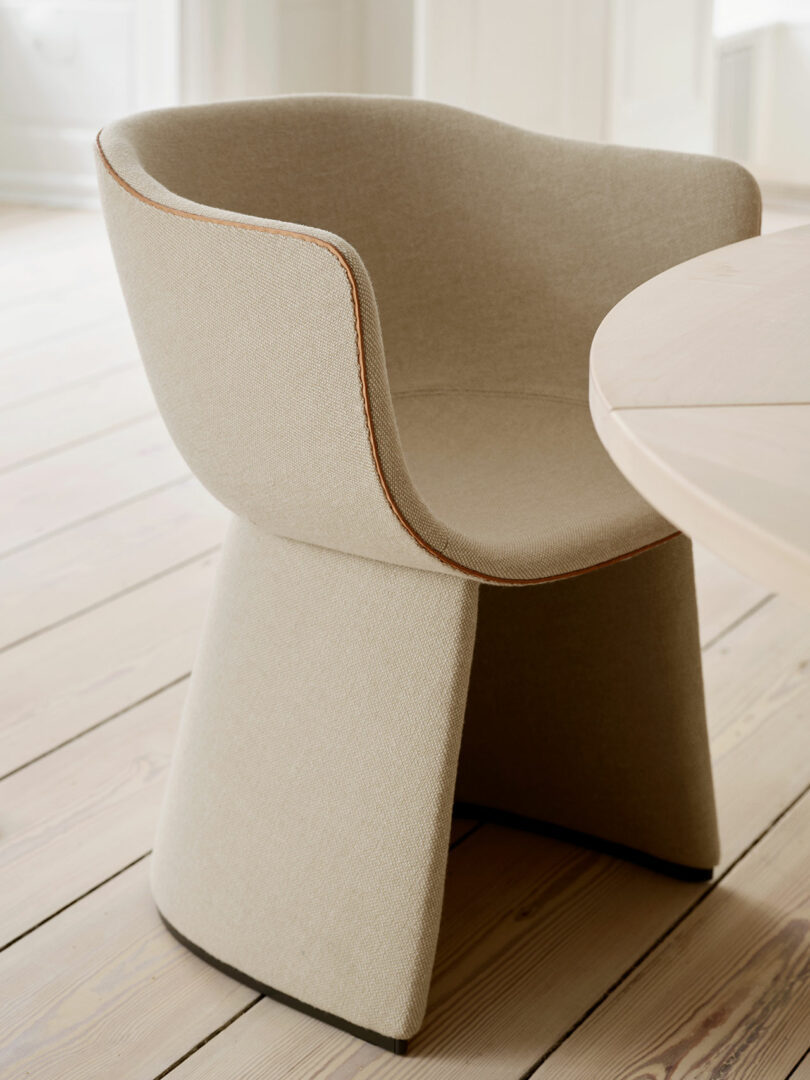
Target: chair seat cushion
pixel 521 482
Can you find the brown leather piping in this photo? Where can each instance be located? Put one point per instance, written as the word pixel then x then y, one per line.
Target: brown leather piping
pixel 361 363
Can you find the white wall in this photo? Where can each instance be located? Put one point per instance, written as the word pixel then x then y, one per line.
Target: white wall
pixel 763 105
pixel 65 69
pixel 735 16
pixel 536 63
pixel 632 71
pixel 661 61
pixel 785 149
pixel 254 48
pixel 629 71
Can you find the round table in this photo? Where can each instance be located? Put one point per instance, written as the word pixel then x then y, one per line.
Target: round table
pixel 700 392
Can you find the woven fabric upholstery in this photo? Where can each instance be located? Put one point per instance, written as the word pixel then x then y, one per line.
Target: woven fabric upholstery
pixel 265 250
pixel 305 831
pixel 485 256
pixel 585 707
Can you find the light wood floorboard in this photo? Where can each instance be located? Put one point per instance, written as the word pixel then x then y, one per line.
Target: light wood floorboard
pixel 553 961
pixel 66 360
pixel 102 992
pixel 58 491
pixel 71 678
pixel 42 315
pixel 727 993
pixel 724 595
pixel 73 415
pixel 30 274
pixel 97 797
pixel 66 574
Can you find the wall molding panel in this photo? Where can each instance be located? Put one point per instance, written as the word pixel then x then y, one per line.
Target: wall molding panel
pixel 589 69
pixel 639 72
pixel 661 91
pixel 65 69
pixel 763 106
pixel 254 48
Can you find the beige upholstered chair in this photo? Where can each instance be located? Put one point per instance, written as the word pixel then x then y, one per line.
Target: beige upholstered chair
pixel 366 322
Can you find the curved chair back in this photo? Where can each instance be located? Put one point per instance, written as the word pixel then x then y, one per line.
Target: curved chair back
pixel 494 253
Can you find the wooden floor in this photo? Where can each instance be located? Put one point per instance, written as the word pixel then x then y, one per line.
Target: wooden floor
pixel 553 962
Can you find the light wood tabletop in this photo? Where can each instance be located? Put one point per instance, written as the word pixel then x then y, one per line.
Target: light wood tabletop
pixel 700 392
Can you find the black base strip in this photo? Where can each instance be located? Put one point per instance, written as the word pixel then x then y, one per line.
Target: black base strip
pixel 396 1046
pixel 572 836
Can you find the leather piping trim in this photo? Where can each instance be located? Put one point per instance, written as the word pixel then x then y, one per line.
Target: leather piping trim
pixel 361 363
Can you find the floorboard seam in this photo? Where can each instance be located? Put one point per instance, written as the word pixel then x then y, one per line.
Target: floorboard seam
pixel 81 440
pixel 75 900
pixel 209 1037
pixel 20 351
pixel 803 1058
pixel 199 557
pixel 96 726
pixel 662 937
pixel 465 836
pixel 93 376
pixel 758 606
pixel 174 482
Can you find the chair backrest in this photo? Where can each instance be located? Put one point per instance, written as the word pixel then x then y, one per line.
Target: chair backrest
pixel 485 255
pixel 494 253
pixel 260 337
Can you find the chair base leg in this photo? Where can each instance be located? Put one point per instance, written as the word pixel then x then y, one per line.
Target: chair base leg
pixel 585 710
pixel 303 839
pixel 395 1046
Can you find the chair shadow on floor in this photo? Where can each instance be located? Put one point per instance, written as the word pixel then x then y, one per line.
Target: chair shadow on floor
pixel 536 931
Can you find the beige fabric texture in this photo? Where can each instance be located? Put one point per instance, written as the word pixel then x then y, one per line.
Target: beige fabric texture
pixel 305 832
pixel 597 689
pixel 486 255
pixel 264 248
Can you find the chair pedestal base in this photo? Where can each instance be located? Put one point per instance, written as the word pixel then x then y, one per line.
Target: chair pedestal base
pixel 585 710
pixel 395 1046
pixel 491 816
pixel 304 837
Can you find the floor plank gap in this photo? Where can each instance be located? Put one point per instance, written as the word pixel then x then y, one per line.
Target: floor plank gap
pixel 630 971
pixel 218 1031
pixel 74 384
pixel 100 723
pixel 174 482
pixel 803 1060
pixel 75 900
pixel 108 600
pixel 737 622
pixel 72 443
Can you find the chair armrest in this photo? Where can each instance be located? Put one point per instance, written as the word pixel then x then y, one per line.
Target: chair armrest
pixel 262 345
pixel 632 213
pixel 512 246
